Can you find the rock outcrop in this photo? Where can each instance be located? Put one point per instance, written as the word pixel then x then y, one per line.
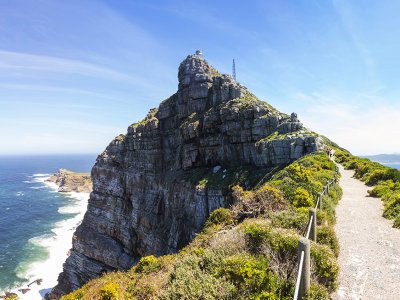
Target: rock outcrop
pixel 154 187
pixel 69 181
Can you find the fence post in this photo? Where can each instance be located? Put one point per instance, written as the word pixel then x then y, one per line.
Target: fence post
pixel 313 231
pixel 304 245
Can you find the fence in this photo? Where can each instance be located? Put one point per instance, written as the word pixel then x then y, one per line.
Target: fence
pixel 303 248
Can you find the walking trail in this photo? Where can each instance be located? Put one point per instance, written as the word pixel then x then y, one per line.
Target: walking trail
pixel 369 256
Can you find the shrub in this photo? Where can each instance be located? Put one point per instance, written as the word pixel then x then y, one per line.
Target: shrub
pixel 317 292
pixel 254 203
pixel 147 264
pixel 324 266
pixel 298 173
pixel 255 235
pixel 250 276
pixel 382 189
pixel 326 236
pixel 396 223
pixel 110 291
pixel 292 218
pixel 187 280
pixel 220 216
pixel 392 206
pixel 302 198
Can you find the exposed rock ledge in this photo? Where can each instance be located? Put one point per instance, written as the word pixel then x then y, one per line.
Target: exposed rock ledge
pixel 69 181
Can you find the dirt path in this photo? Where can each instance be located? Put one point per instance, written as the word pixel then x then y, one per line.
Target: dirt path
pixel 370 248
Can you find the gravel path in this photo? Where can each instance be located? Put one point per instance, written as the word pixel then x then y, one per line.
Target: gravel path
pixel 369 247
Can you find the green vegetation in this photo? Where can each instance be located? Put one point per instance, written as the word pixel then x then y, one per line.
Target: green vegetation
pixel 248 100
pixel 220 216
pixel 281 136
pixel 385 182
pixel 247 176
pixel 247 251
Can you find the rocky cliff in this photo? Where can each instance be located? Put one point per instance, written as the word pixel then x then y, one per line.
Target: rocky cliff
pixel 154 187
pixel 69 181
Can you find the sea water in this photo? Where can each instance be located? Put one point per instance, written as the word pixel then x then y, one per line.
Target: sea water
pixel 394 165
pixel 36 222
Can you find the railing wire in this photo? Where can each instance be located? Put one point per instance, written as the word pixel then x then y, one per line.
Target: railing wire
pixel 299 272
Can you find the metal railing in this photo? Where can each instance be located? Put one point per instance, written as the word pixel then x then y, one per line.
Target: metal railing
pixel 303 248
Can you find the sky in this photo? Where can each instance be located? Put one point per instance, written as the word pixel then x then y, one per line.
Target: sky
pixel 74 74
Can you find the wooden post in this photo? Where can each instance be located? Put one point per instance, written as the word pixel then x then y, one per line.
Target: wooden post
pixel 304 245
pixel 313 232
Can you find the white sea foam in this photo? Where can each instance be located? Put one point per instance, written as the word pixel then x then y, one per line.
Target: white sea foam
pixel 41 175
pixel 57 244
pixel 37 187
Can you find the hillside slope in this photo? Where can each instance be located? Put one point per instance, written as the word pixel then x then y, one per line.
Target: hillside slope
pixel 154 187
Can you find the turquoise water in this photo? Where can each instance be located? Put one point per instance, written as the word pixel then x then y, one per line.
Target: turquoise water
pixel 30 210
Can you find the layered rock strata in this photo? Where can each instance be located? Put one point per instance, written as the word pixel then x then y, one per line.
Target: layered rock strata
pixel 149 195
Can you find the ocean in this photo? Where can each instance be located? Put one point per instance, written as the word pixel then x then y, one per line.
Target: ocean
pixel 36 222
pixel 392 165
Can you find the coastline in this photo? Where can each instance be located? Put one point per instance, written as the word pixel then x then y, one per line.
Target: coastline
pixel 57 245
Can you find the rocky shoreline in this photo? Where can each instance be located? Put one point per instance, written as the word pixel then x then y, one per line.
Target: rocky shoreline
pixel 69 181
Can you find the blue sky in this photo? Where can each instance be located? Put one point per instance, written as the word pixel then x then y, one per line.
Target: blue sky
pixel 74 74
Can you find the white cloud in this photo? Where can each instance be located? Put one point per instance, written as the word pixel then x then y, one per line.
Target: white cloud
pixel 362 130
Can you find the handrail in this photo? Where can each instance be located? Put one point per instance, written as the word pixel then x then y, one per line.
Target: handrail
pixel 318 200
pixel 309 227
pixel 299 272
pixel 325 191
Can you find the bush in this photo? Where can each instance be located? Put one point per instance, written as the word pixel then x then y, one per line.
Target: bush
pixel 250 276
pixel 188 280
pixel 302 198
pixel 147 264
pixel 392 206
pixel 110 291
pixel 254 203
pixel 255 236
pixel 326 236
pixel 382 189
pixel 317 292
pixel 220 216
pixel 325 266
pixel 396 223
pixel 292 218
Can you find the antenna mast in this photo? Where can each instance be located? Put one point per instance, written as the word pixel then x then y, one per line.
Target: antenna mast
pixel 234 70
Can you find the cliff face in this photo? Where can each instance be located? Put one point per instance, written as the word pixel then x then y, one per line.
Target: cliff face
pixel 69 181
pixel 154 187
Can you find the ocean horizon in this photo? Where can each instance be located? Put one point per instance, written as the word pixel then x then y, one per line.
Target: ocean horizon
pixel 393 165
pixel 36 222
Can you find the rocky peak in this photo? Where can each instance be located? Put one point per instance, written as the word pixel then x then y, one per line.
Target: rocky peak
pixel 195 69
pixel 201 86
